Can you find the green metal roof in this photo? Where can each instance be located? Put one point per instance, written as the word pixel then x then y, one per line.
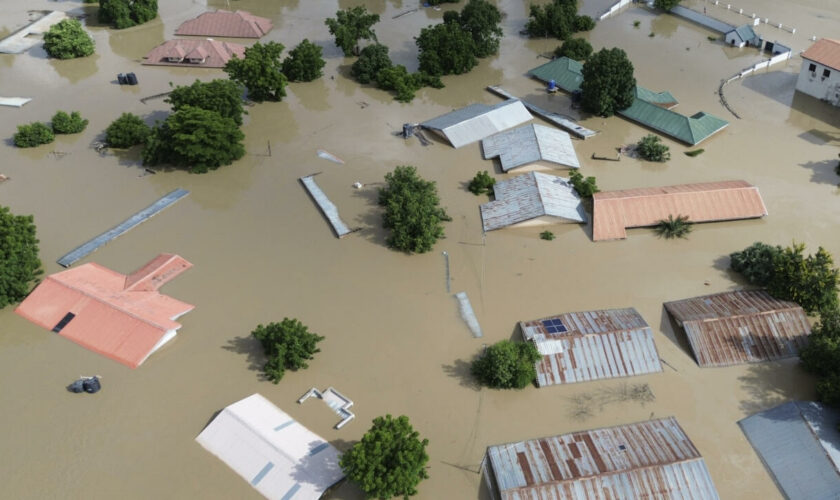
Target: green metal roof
pixel 566 73
pixel 656 97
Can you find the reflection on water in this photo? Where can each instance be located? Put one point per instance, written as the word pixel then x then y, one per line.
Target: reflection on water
pixel 75 70
pixel 134 43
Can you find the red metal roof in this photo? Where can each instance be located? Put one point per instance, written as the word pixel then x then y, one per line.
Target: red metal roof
pixel 826 52
pixel 745 326
pixel 614 211
pixel 239 24
pixel 218 53
pixel 121 317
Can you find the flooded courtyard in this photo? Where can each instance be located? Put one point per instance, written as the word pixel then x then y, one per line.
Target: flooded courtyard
pixel 394 340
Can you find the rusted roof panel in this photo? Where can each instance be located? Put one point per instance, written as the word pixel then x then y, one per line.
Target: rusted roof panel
pixel 652 459
pixel 239 24
pixel 745 326
pixel 614 211
pixel 826 52
pixel 592 345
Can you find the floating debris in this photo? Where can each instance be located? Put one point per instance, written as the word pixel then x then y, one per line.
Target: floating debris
pixel 329 156
pixel 14 102
pixel 335 400
pixel 89 385
pixel 358 185
pixel 3 178
pixel 468 314
pixel 327 207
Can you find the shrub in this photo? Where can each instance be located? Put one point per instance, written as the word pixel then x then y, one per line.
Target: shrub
pixel 126 131
pixel 67 40
pixel 507 365
pixel 19 262
pixel 547 235
pixel 219 95
pixel 412 211
pixel 33 134
pixel 126 13
pixel 584 23
pixel 584 187
pixel 288 345
pixel 696 152
pixel 482 183
pixel 373 59
pixel 636 24
pixel 62 123
pixel 651 148
pixel 304 63
pixel 665 4
pixel 574 48
pixel 671 227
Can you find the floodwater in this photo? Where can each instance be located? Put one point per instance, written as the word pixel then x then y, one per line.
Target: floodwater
pixel 394 340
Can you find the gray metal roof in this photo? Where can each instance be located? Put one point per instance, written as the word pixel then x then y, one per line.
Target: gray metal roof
pixel 327 207
pixel 477 121
pixel 651 459
pixel 800 445
pixel 530 196
pixel 592 345
pixel 529 144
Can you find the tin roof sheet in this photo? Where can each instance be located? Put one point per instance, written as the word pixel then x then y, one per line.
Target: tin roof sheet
pixel 530 196
pixel 218 53
pixel 477 121
pixel 528 144
pixel 826 52
pixel 745 326
pixel 614 211
pixel 688 129
pixel 592 345
pixel 566 73
pixel 799 443
pixel 327 207
pixel 652 459
pixel 239 24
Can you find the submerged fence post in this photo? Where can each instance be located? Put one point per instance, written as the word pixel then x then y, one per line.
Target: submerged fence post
pixel 446 264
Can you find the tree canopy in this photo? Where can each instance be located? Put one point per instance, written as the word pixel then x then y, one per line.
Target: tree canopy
pixel 483 21
pixel 665 4
pixel 62 123
pixel 351 25
pixel 126 131
pixel 412 211
pixel 578 49
pixel 288 345
pixel 651 148
pixel 585 187
pixel 219 95
pixel 33 134
pixel 67 40
pixel 371 61
pixel 304 62
pixel 446 49
pixel 127 13
pixel 608 83
pixel 483 182
pixel 389 461
pixel 557 19
pixel 261 72
pixel 19 262
pixel 507 365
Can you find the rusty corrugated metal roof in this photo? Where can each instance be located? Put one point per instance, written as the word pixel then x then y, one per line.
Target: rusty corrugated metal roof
pixel 218 53
pixel 614 211
pixel 239 24
pixel 744 326
pixel 826 52
pixel 592 345
pixel 652 459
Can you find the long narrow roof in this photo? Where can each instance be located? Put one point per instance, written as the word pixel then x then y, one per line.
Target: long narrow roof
pixel 217 53
pixel 239 24
pixel 825 51
pixel 614 211
pixel 477 121
pixel 278 456
pixel 744 326
pixel 800 445
pixel 528 144
pixel 122 317
pixel 592 345
pixel 530 196
pixel 651 459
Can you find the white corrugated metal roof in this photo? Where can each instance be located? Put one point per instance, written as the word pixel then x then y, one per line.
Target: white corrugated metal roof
pixel 477 121
pixel 278 456
pixel 530 196
pixel 529 144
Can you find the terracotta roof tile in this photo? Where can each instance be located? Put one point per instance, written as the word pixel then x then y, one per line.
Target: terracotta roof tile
pixel 239 24
pixel 217 53
pixel 826 52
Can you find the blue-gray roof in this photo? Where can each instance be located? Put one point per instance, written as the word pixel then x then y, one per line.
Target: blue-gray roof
pixel 800 444
pixel 745 32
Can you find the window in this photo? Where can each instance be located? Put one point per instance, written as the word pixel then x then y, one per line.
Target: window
pixel 61 324
pixel 812 67
pixel 826 73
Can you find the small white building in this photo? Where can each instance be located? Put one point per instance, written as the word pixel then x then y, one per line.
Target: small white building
pixel 742 35
pixel 820 73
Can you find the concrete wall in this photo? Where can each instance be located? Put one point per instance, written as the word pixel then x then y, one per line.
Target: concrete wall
pixel 814 84
pixel 612 10
pixel 734 40
pixel 702 19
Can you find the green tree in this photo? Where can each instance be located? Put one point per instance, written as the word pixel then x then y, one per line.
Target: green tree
pixel 351 25
pixel 221 96
pixel 304 62
pixel 665 4
pixel 822 354
pixel 62 123
pixel 446 49
pixel 389 461
pixel 287 345
pixel 755 263
pixel 608 83
pixel 483 182
pixel 33 134
pixel 585 187
pixel 67 40
pixel 127 13
pixel 483 21
pixel 574 48
pixel 584 23
pixel 126 131
pixel 373 59
pixel 507 365
pixel 261 72
pixel 412 211
pixel 19 263
pixel 555 19
pixel 195 138
pixel 671 227
pixel 651 148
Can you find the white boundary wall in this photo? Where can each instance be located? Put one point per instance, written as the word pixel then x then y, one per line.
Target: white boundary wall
pixel 612 10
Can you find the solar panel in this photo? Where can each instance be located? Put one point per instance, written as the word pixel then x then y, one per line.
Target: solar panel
pixel 551 329
pixel 547 323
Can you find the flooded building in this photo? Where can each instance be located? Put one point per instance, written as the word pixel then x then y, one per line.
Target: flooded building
pixel 799 444
pixel 277 455
pixel 532 199
pixel 742 36
pixel 122 317
pixel 744 326
pixel 31 35
pixel 820 73
pixel 615 211
pixel 239 24
pixel 478 121
pixel 651 459
pixel 592 345
pixel 532 147
pixel 194 53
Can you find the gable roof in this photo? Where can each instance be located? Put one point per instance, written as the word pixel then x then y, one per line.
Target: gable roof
pixel 217 53
pixel 799 443
pixel 477 121
pixel 615 211
pixel 278 456
pixel 566 73
pixel 745 33
pixel 592 345
pixel 530 196
pixel 239 24
pixel 121 317
pixel 651 459
pixel 529 144
pixel 744 326
pixel 825 51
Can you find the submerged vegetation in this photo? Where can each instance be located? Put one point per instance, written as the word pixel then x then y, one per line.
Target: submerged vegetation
pixel 288 345
pixel 127 13
pixel 574 48
pixel 260 71
pixel 33 134
pixel 68 40
pixel 507 365
pixel 696 152
pixel 651 148
pixel 547 235
pixel 62 123
pixel 585 187
pixel 412 211
pixel 558 19
pixel 19 262
pixel 482 183
pixel 126 131
pixel 673 227
pixel 608 83
pixel 350 26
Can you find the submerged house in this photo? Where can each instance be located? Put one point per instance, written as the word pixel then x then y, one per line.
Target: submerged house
pixel 651 459
pixel 194 53
pixel 745 326
pixel 277 455
pixel 741 36
pixel 122 317
pixel 615 211
pixel 532 199
pixel 223 23
pixel 531 147
pixel 820 73
pixel 592 345
pixel 478 121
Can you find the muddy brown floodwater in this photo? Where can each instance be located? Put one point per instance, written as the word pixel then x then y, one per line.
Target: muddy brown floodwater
pixel 394 340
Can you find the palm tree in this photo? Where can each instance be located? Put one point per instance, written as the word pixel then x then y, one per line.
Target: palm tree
pixel 671 227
